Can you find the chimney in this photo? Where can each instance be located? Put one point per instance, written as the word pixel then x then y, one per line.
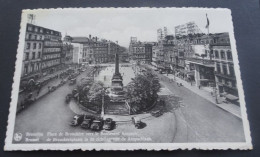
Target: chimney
pixel 89 36
pixel 96 38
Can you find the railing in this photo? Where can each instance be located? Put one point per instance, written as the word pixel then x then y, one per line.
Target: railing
pixel 202 61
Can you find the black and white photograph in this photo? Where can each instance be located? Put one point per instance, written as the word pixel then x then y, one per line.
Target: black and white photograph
pixel 127 79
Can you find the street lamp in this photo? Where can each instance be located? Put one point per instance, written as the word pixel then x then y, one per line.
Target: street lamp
pixel 103 103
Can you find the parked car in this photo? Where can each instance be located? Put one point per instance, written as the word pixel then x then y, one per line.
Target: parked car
pixel 73 81
pixel 87 121
pixel 137 122
pixel 96 125
pixel 108 124
pixel 156 113
pixel 77 120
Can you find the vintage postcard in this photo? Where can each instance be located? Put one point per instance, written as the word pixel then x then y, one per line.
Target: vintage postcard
pixel 127 79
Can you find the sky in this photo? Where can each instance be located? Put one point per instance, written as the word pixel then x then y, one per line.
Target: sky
pixel 121 24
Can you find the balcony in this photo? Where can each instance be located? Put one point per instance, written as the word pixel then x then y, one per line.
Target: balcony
pixel 205 62
pixel 227 76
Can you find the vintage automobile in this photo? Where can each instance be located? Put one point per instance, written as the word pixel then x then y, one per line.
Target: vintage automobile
pixel 77 120
pixel 73 81
pixel 96 125
pixel 87 121
pixel 108 124
pixel 137 122
pixel 156 113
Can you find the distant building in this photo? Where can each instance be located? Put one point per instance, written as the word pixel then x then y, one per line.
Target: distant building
pixel 67 51
pixel 77 53
pixel 141 51
pixel 162 33
pixel 186 29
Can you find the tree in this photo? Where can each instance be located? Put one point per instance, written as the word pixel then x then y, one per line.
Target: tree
pixel 142 90
pixel 83 90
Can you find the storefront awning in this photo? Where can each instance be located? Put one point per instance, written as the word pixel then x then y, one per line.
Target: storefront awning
pixel 231 97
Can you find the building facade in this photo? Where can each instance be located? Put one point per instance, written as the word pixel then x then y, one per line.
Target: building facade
pixel 67 51
pixel 224 68
pixel 186 29
pixel 77 53
pixel 42 52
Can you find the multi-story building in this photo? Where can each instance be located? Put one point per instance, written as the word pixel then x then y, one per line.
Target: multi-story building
pixel 112 49
pixel 42 52
pixel 224 68
pixel 52 49
pixel 67 51
pixel 34 37
pixel 186 29
pixel 141 52
pixel 162 33
pixel 101 51
pixel 77 53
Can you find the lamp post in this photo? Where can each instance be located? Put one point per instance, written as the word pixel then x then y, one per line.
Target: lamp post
pixel 103 103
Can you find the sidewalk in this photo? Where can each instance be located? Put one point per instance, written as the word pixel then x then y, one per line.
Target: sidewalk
pixel 205 93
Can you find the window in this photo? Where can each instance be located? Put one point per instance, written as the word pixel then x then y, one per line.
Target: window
pixel 35 37
pixel 26 69
pixel 223 55
pixel 234 84
pixel 40 45
pixel 224 66
pixel 216 54
pixel 28 46
pixel 30 36
pixel 218 68
pixel 34 45
pixel 27 56
pixel 219 80
pixel 36 29
pixel 39 54
pixel 29 28
pixel 32 67
pixel 231 70
pixel 229 55
pixel 33 55
pixel 40 37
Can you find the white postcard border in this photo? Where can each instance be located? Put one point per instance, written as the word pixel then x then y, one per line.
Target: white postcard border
pixel 9 146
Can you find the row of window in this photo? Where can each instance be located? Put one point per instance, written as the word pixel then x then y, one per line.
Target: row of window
pixel 138 49
pixel 225 69
pixel 34 37
pixel 50 63
pixel 45 57
pixel 51 43
pixel 30 68
pixel 51 37
pixel 41 30
pixel 34 55
pixel 47 50
pixel 33 45
pixel 223 54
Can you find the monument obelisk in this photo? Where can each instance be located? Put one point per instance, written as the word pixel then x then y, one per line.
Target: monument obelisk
pixel 117 80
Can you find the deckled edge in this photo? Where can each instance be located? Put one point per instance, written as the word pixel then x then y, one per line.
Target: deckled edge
pixel 124 146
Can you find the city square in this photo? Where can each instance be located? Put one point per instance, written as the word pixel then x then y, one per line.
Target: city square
pixel 173 83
